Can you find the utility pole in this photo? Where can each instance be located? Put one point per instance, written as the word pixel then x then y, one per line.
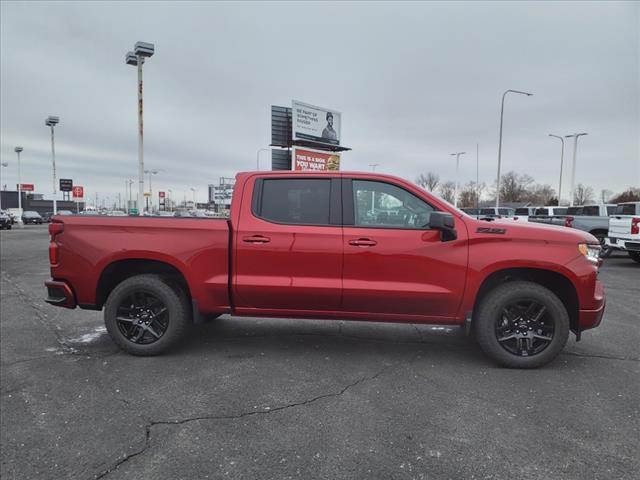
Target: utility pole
pixel 573 168
pixel 455 194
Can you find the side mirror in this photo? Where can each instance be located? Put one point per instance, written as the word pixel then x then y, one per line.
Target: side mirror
pixel 444 222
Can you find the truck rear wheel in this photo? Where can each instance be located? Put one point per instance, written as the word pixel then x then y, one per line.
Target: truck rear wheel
pixel 521 324
pixel 146 316
pixel 635 256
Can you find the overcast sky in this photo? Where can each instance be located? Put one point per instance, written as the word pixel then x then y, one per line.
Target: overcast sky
pixel 414 82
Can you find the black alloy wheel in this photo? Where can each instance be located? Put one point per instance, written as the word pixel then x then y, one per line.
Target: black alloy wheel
pixel 142 317
pixel 523 329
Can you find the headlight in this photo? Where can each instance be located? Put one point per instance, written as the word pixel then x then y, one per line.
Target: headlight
pixel 590 252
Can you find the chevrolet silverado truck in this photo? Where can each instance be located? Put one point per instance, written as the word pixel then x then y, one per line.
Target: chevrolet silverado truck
pixel 624 229
pixel 332 245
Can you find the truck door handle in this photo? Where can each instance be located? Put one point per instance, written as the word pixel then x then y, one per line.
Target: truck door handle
pixel 363 242
pixel 256 239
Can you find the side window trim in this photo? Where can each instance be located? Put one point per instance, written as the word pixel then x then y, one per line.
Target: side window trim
pixel 335 208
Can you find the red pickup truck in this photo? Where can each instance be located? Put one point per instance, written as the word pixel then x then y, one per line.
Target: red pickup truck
pixel 356 246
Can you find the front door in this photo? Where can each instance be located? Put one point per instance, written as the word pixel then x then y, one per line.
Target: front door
pixel 393 263
pixel 288 250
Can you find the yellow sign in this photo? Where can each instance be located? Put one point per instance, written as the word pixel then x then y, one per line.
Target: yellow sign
pixel 147 194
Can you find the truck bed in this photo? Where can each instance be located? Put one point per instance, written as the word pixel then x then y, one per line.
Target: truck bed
pixel 92 247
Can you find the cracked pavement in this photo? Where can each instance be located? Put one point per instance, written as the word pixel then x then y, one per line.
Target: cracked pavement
pixel 265 398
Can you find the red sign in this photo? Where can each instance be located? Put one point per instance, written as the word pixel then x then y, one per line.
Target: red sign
pixel 26 187
pixel 77 191
pixel 313 160
pixel 161 194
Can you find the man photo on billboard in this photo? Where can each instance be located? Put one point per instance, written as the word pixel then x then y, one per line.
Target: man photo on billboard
pixel 328 131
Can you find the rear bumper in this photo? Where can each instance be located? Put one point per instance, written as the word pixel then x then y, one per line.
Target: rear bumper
pixel 592 318
pixel 60 294
pixel 623 244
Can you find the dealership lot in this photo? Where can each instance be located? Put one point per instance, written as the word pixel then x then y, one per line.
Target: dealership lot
pixel 261 398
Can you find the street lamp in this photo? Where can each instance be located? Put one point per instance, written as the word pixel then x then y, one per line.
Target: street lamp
pixel 52 121
pixel 151 172
pixel 18 150
pixel 194 198
pixel 136 58
pixel 561 162
pixel 573 167
pixel 500 142
pixel 455 194
pixel 169 193
pixel 258 156
pixel 4 164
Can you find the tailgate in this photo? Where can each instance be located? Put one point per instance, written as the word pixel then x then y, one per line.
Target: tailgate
pixel 619 226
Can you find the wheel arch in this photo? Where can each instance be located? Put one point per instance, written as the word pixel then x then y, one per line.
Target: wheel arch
pixel 120 270
pixel 558 283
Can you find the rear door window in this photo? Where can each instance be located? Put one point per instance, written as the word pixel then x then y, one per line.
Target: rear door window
pixel 299 201
pixel 626 209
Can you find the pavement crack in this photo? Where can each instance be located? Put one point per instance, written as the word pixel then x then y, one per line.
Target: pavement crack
pixel 182 421
pixel 605 357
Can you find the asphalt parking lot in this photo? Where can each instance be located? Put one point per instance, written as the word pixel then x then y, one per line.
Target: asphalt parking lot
pixel 261 398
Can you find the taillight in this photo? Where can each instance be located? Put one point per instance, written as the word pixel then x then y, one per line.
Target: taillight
pixel 635 225
pixel 55 229
pixel 568 222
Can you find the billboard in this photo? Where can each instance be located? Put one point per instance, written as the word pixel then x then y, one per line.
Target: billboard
pixel 315 124
pixel 77 191
pixel 66 184
pixel 160 194
pixel 25 187
pixel 306 159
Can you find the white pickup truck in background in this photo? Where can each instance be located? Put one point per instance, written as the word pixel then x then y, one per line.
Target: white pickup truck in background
pixel 624 229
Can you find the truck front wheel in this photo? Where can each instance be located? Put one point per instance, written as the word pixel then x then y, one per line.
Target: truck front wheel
pixel 521 324
pixel 146 316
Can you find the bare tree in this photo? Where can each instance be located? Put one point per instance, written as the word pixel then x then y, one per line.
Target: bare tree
pixel 514 187
pixel 447 191
pixel 630 195
pixel 429 181
pixel 605 194
pixel 469 195
pixel 541 194
pixel 582 194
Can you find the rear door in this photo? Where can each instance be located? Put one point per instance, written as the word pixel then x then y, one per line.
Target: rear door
pixel 288 247
pixel 393 263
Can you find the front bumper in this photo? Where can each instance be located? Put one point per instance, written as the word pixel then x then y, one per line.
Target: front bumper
pixel 623 244
pixel 59 293
pixel 592 318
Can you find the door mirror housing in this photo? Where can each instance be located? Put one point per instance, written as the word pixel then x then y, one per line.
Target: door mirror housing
pixel 445 223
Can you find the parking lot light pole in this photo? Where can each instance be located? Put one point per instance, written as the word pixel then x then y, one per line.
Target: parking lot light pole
pixel 136 58
pixel 573 167
pixel 18 150
pixel 52 121
pixel 150 173
pixel 169 191
pixel 455 192
pixel 3 164
pixel 194 198
pixel 561 163
pixel 500 141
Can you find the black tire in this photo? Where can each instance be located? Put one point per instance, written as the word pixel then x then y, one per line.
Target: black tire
pixel 491 322
pixel 635 256
pixel 138 290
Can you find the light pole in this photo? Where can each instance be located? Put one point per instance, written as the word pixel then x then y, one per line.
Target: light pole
pixel 258 156
pixel 18 150
pixel 500 141
pixel 52 121
pixel 3 164
pixel 455 193
pixel 573 167
pixel 561 162
pixel 151 172
pixel 141 50
pixel 169 192
pixel 194 198
pixel 477 175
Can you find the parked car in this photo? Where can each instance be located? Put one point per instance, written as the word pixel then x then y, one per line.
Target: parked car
pixel 624 229
pixel 308 245
pixel 182 213
pixel 31 217
pixel 46 217
pixel 64 212
pixel 116 213
pixel 5 220
pixel 490 212
pixel 593 219
pixel 547 214
pixel 164 213
pixel 92 213
pixel 523 213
